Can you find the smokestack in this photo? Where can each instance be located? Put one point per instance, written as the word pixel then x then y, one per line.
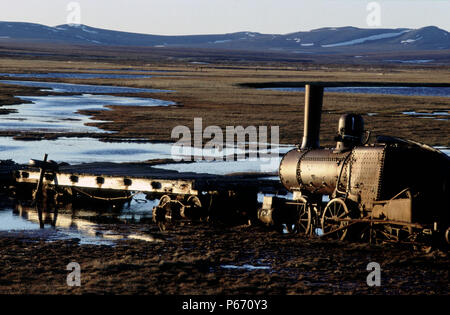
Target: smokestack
pixel 313 112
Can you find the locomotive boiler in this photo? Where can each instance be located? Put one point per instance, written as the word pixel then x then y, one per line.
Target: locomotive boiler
pixel 393 189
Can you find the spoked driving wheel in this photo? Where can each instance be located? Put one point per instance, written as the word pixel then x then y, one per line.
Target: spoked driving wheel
pixel 303 219
pixel 162 214
pixel 194 210
pixel 447 235
pixel 336 209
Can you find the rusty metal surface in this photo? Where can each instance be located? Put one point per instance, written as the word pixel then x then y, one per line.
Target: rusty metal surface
pixel 368 179
pixel 288 169
pixel 313 113
pixel 315 171
pixel 141 177
pixel 319 171
pixel 366 166
pixel 395 210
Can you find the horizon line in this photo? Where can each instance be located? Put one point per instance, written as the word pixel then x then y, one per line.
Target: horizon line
pixel 243 31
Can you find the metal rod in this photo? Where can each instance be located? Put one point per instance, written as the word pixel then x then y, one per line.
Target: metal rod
pixel 41 177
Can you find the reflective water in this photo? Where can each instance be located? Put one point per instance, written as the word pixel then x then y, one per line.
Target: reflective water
pixel 67 75
pixel 85 150
pixel 226 167
pixel 81 88
pixel 399 90
pixel 82 150
pixel 59 113
pixel 434 115
pixel 130 70
pixel 443 149
pixel 246 267
pixel 223 161
pixel 83 224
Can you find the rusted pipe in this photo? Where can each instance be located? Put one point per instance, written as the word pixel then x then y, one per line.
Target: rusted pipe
pixel 313 113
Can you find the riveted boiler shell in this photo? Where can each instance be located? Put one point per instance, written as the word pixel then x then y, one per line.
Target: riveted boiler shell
pixel 288 169
pixel 316 171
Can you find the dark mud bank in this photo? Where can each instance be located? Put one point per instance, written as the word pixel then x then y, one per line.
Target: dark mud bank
pixel 217 260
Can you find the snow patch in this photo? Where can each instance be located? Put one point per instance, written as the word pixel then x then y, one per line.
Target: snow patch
pixel 222 41
pixel 411 61
pixel 53 29
pixel 407 41
pixel 88 31
pixel 365 39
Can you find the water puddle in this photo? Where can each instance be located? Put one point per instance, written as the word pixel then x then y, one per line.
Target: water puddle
pixel 138 210
pixel 68 75
pixel 131 70
pixel 86 225
pixel 226 167
pixel 261 196
pixel 82 150
pixel 434 115
pixel 398 90
pixel 444 150
pixel 246 267
pixel 81 88
pixel 86 150
pixel 412 61
pixel 29 222
pixel 59 113
pixel 267 161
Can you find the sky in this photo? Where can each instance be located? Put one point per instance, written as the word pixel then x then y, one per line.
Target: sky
pixel 183 17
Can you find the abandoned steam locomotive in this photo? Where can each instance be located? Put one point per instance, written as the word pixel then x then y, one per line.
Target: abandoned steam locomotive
pixel 394 189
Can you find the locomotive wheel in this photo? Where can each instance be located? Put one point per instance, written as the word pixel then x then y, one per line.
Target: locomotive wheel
pixel 303 224
pixel 194 209
pixel 335 209
pixel 162 214
pixel 164 200
pixel 447 235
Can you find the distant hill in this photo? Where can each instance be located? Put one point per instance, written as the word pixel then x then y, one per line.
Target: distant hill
pixel 323 40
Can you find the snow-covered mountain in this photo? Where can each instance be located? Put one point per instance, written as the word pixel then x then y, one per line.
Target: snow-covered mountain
pixel 323 40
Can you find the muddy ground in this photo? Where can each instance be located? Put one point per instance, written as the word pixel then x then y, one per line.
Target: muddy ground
pixel 199 260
